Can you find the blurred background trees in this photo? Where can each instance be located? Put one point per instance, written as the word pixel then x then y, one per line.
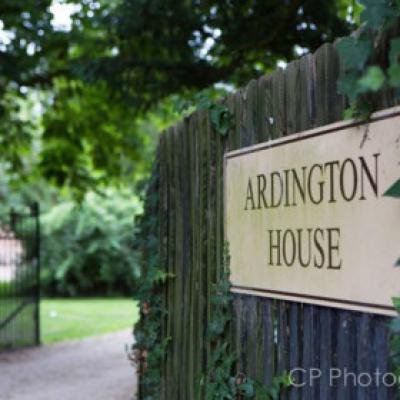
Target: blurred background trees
pixel 85 88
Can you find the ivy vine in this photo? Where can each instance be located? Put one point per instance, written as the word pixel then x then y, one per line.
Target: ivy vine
pixel 366 69
pixel 221 382
pixel 221 117
pixel 150 347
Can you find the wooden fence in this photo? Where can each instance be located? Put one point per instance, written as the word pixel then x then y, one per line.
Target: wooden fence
pixel 269 336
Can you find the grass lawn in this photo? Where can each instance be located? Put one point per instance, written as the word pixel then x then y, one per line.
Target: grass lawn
pixel 65 319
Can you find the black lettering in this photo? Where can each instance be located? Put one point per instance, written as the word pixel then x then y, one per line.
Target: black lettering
pixel 300 186
pixel 276 202
pixel 373 181
pixel 276 247
pixel 289 262
pixel 300 246
pixel 333 247
pixel 353 181
pixel 330 166
pixel 286 171
pixel 318 246
pixel 320 183
pixel 249 196
pixel 261 179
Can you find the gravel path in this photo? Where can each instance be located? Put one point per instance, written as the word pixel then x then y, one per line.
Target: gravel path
pixel 92 368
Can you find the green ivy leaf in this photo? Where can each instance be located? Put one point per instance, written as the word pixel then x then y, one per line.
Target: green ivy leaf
pixel 375 13
pixel 394 190
pixel 221 118
pixel 349 113
pixel 396 302
pixel 395 325
pixel 349 85
pixel 354 52
pixel 247 389
pixel 373 79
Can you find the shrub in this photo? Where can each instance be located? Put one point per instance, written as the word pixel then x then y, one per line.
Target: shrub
pixel 87 248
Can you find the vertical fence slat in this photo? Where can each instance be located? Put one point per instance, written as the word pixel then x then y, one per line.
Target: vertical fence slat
pixel 327 352
pixel 295 344
pixel 381 349
pixel 345 354
pixel 163 243
pixel 252 345
pixel 203 266
pixel 269 342
pixel 192 235
pixel 363 362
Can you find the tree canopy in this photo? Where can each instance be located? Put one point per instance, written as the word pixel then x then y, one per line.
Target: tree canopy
pixel 159 47
pixel 81 104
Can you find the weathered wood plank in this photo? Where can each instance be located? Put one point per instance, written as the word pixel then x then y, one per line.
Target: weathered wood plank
pixel 269 340
pixel 202 260
pixel 345 353
pixel 381 348
pixel 363 356
pixel 250 117
pixel 295 344
pixel 327 352
pixel 191 272
pixel 277 101
pixel 330 105
pixel 283 338
pixel 251 345
pixel 163 243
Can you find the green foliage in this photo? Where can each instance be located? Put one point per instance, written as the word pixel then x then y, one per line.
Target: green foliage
pixel 364 72
pixel 106 82
pixel 70 138
pixel 373 79
pixel 150 346
pixel 221 381
pixel 354 52
pixel 274 389
pixel 394 190
pixel 221 118
pixel 217 41
pixel 378 13
pixel 87 248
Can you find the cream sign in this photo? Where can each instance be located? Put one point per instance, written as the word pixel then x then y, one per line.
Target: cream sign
pixel 306 218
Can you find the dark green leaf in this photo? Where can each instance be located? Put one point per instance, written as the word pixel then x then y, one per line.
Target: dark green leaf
pixel 373 79
pixel 395 325
pixel 349 85
pixel 375 13
pixel 394 190
pixel 354 52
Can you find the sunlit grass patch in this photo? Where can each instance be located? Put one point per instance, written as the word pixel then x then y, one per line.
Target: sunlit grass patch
pixel 66 319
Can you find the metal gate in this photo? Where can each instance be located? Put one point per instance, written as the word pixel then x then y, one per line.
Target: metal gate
pixel 19 278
